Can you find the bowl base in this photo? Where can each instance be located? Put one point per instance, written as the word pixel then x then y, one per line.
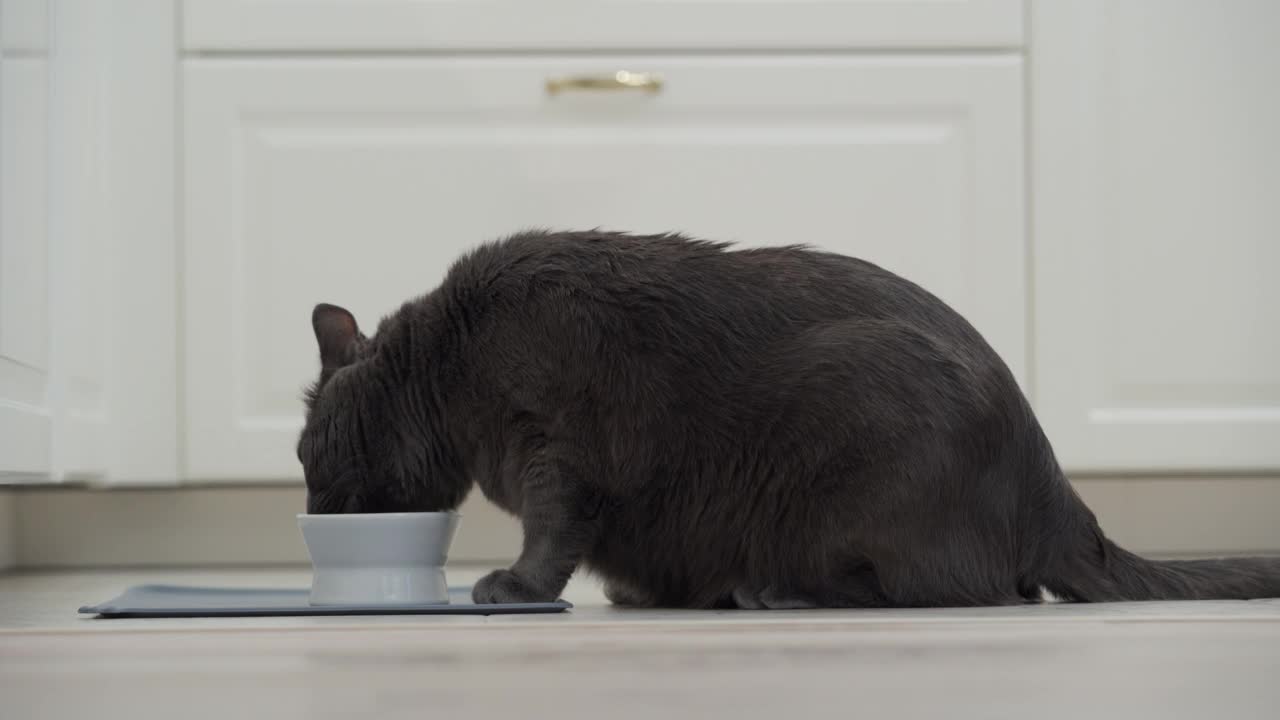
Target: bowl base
pixel 379 586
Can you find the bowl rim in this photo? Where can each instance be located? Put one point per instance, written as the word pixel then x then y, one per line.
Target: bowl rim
pixel 365 516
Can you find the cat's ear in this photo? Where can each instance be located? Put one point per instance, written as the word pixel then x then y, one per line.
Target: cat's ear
pixel 337 334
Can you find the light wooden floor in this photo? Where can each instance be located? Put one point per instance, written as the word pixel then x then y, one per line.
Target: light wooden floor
pixel 1141 660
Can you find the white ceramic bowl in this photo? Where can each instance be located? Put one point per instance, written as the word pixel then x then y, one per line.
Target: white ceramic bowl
pixel 379 558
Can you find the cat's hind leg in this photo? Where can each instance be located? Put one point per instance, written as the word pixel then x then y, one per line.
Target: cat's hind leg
pixel 770 598
pixel 966 570
pixel 857 589
pixel 620 593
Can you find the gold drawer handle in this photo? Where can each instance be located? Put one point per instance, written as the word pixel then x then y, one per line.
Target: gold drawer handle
pixel 621 80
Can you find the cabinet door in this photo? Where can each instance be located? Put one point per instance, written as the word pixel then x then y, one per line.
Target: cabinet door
pixel 24 247
pixel 358 181
pixel 1156 164
pixel 597 24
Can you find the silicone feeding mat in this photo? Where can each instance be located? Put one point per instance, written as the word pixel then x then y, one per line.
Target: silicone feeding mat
pixel 157 601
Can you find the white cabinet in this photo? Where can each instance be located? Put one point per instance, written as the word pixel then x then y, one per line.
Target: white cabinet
pixel 24 245
pixel 599 25
pixel 357 181
pixel 154 292
pixel 88 242
pixel 1156 164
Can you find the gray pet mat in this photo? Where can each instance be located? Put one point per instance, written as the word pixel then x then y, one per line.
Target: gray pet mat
pixel 143 601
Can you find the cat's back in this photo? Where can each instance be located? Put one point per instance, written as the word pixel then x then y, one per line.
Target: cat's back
pixel 670 261
pixel 683 287
pixel 575 257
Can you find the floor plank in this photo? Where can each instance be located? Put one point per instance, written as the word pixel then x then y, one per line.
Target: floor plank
pixel 1170 660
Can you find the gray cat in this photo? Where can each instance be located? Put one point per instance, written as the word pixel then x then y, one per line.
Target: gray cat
pixel 709 427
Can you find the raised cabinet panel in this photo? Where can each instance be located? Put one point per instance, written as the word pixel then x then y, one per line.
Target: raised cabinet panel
pixel 24 275
pixel 1157 325
pixel 82 288
pixel 599 24
pixel 24 27
pixel 112 242
pixel 358 182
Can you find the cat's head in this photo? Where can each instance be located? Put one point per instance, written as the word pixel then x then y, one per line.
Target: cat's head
pixel 363 449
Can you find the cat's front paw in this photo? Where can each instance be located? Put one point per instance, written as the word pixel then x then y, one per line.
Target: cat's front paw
pixel 504 586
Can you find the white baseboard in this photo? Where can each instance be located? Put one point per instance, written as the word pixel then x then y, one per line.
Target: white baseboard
pixel 201 526
pixel 8 531
pixel 1187 515
pixel 72 527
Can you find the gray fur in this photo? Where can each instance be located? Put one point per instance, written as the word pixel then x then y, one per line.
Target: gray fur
pixel 710 427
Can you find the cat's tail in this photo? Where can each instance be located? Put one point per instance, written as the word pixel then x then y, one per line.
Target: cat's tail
pixel 1089 567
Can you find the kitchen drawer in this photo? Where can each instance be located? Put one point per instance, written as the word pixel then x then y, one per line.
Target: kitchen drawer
pixel 358 181
pixel 400 25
